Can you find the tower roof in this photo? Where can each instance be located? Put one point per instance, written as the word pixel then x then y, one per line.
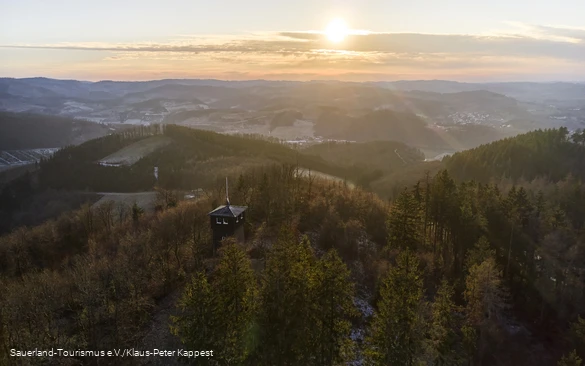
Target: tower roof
pixel 228 211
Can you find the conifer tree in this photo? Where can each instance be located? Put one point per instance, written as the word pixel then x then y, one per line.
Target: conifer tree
pixel 404 223
pixel 483 293
pixel 395 337
pixel 444 208
pixel 220 315
pixel 333 310
pixel 196 326
pixel 137 211
pixel 577 335
pixel 287 298
pixel 235 291
pixel 442 335
pixel 469 334
pixel 479 253
pixel 485 298
pixel 572 359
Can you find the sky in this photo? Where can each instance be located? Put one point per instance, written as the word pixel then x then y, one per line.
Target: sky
pixel 464 40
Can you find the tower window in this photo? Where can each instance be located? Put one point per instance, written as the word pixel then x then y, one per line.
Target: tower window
pixel 225 221
pixel 217 220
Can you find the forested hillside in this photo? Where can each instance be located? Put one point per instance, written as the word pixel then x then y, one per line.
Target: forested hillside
pixel 193 159
pixel 31 131
pixel 376 125
pixel 550 154
pixel 370 162
pixel 449 272
pixel 383 155
pixel 404 126
pixel 456 273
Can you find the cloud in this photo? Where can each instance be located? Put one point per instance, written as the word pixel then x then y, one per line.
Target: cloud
pixel 307 36
pixel 302 43
pixel 528 48
pixel 552 33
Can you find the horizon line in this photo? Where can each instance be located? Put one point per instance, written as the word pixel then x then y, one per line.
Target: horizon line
pixel 552 81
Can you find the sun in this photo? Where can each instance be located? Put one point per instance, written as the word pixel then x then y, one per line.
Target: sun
pixel 336 30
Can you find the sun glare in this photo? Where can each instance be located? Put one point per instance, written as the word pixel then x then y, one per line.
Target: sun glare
pixel 336 30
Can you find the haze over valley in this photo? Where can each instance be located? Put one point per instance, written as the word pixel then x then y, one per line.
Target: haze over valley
pixel 436 116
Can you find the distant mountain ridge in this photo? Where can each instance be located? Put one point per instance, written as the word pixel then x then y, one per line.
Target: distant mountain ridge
pixel 512 89
pixel 431 114
pixel 524 91
pixel 53 96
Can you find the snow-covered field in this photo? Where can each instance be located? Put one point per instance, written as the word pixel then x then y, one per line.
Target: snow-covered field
pixel 10 158
pixel 75 107
pixel 95 119
pixel 136 121
pixel 439 157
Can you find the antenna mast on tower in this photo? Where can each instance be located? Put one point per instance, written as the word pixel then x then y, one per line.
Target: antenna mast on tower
pixel 227 196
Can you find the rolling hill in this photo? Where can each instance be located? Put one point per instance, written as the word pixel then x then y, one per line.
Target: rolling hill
pixel 434 232
pixel 34 131
pixel 132 153
pixel 437 103
pixel 186 158
pixel 550 154
pixel 189 159
pixel 406 127
pixel 382 155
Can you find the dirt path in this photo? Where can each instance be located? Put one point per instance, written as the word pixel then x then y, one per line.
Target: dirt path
pixel 397 154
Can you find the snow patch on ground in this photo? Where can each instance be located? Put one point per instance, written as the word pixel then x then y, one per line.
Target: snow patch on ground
pixel 439 157
pixel 358 333
pixel 22 157
pixel 364 307
pixel 136 122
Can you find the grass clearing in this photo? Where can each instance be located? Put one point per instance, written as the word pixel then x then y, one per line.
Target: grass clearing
pixel 144 200
pixel 132 153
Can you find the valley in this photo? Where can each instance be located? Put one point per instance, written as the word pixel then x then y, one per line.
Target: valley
pixel 457 116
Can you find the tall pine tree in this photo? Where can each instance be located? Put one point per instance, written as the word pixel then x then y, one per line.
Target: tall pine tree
pixel 235 291
pixel 333 310
pixel 220 315
pixel 442 336
pixel 287 297
pixel 486 299
pixel 396 337
pixel 572 359
pixel 404 223
pixel 196 326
